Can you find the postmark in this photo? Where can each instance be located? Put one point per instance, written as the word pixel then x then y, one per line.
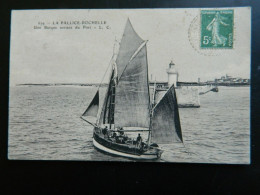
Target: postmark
pixel 194 39
pixel 217 29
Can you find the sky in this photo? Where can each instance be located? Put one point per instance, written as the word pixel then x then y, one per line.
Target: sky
pixel 83 55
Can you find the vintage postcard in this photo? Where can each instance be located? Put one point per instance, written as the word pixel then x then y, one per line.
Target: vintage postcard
pixel 163 85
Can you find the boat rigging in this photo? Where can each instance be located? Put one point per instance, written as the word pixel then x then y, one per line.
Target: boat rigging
pixel 127 106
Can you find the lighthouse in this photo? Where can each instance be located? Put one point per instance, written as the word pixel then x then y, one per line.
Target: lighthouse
pixel 172 75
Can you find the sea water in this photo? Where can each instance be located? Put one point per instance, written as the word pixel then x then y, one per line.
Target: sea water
pixel 45 124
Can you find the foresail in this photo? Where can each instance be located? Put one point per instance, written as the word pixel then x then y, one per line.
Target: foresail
pixel 92 109
pixel 107 112
pixel 102 116
pixel 132 94
pixel 165 124
pixel 128 46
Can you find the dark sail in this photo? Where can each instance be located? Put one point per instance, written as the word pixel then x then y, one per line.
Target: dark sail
pixel 165 124
pixel 107 112
pixel 129 44
pixel 132 93
pixel 92 109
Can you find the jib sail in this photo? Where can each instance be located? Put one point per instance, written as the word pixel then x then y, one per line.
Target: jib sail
pixel 92 109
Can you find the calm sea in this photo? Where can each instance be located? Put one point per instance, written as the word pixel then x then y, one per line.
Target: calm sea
pixel 45 124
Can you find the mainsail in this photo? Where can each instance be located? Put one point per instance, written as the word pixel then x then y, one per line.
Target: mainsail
pixel 132 100
pixel 92 109
pixel 128 46
pixel 165 125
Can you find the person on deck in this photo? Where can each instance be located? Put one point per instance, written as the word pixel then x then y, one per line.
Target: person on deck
pixel 105 131
pixel 114 135
pixel 139 140
pixel 121 132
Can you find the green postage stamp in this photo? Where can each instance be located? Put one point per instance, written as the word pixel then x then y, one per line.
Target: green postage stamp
pixel 217 29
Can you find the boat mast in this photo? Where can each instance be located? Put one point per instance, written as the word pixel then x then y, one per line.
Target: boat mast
pixel 112 105
pixel 109 98
pixel 113 88
pixel 151 114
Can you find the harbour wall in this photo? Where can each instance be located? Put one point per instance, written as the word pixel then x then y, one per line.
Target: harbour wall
pixel 187 96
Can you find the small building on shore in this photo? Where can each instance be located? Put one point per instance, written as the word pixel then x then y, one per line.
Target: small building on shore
pixel 187 95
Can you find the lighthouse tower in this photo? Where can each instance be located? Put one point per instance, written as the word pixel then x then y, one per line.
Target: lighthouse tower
pixel 172 75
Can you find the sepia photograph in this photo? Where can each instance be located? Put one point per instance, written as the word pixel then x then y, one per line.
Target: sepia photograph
pixel 144 85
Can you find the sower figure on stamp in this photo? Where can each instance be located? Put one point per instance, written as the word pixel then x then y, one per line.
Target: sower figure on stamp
pixel 214 25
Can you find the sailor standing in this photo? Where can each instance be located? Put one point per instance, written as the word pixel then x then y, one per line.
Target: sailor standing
pixel 105 131
pixel 139 140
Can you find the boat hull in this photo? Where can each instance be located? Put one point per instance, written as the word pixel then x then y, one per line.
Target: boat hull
pixel 107 147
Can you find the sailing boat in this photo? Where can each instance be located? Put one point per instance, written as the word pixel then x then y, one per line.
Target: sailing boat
pixel 127 108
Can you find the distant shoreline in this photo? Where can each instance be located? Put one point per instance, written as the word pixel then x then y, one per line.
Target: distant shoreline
pixel 105 84
pixel 63 84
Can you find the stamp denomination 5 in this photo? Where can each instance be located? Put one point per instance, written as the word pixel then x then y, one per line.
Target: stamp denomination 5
pixel 217 28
